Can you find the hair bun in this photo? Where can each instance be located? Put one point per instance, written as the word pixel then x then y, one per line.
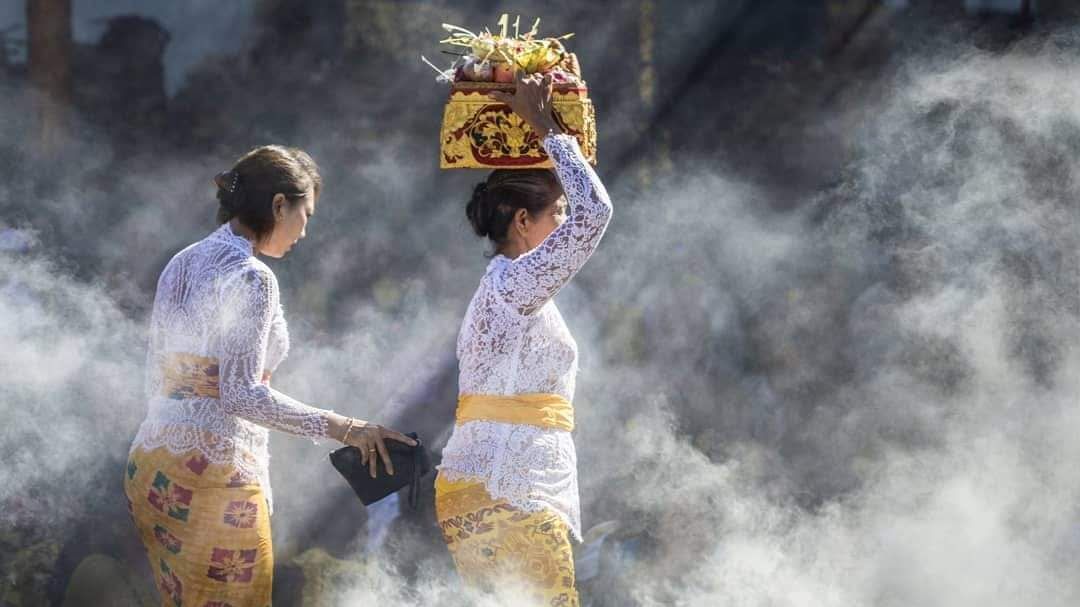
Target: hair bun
pixel 228 181
pixel 497 199
pixel 477 209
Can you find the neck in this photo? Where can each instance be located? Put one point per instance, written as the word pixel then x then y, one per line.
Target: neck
pixel 240 229
pixel 513 248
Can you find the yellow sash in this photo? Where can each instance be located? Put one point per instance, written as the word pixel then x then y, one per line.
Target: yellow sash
pixel 193 376
pixel 544 410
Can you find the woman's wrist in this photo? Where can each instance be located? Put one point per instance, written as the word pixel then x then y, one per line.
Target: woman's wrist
pixel 543 125
pixel 548 127
pixel 337 427
pixel 340 427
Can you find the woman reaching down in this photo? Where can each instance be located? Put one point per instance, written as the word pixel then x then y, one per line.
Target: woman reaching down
pixel 197 478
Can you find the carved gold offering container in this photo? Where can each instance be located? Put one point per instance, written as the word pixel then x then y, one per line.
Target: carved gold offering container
pixel 481 133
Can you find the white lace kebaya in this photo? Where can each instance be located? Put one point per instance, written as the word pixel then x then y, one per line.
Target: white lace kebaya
pixel 514 341
pixel 216 300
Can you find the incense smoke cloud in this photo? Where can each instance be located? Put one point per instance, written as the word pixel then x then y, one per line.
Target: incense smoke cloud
pixel 910 441
pixel 866 400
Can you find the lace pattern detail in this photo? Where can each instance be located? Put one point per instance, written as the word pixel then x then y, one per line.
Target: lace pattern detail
pixel 532 468
pixel 513 340
pixel 216 299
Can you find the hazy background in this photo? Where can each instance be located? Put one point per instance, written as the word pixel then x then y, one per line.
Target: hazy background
pixel 828 346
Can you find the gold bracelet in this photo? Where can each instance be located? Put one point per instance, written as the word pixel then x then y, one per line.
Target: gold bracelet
pixel 348 428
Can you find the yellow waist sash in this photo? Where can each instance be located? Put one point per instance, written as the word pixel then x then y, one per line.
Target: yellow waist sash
pixel 545 410
pixel 193 376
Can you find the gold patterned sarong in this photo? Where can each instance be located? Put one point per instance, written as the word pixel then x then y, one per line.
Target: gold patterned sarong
pixel 206 531
pixel 496 546
pixel 205 526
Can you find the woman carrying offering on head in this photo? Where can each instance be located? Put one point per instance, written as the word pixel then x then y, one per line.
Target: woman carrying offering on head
pixel 197 478
pixel 507 492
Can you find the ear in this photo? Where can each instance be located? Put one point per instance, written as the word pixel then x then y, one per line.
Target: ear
pixel 279 206
pixel 521 221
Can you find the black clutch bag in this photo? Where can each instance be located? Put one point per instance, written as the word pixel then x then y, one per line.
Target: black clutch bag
pixel 410 463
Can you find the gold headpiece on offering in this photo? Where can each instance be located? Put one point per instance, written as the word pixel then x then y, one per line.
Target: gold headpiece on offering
pixel 481 133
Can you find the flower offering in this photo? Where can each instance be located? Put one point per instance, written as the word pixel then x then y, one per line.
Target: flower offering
pixel 479 132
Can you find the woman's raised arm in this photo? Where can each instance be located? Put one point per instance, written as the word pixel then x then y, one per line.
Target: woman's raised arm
pixel 536 276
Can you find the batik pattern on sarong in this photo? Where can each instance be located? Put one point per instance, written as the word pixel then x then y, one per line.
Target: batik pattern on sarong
pixel 206 529
pixel 500 548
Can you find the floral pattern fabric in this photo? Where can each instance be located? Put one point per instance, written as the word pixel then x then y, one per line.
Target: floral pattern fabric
pixel 207 535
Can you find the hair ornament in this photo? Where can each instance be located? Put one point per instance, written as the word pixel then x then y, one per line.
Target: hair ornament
pixel 228 181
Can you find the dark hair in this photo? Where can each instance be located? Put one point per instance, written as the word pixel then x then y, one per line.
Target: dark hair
pixel 495 200
pixel 247 190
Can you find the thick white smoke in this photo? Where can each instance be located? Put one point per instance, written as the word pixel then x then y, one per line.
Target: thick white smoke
pixel 868 400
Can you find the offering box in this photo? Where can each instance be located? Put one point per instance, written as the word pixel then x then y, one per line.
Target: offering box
pixel 481 133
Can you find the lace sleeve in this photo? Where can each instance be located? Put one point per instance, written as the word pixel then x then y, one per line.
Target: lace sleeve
pixel 248 305
pixel 154 360
pixel 535 277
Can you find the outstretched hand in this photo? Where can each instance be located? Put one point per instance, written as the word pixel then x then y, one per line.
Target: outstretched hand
pixel 532 101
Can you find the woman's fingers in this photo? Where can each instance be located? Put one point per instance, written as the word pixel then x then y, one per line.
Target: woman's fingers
pixel 532 93
pixel 372 447
pixel 385 454
pixel 401 438
pixel 373 462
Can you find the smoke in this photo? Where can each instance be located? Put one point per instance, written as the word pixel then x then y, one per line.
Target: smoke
pixel 879 385
pixel 865 399
pixel 71 386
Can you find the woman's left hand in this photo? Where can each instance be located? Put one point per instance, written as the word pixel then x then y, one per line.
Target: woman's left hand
pixel 370 439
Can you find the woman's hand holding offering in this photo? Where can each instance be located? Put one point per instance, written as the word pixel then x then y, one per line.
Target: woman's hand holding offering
pixel 532 101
